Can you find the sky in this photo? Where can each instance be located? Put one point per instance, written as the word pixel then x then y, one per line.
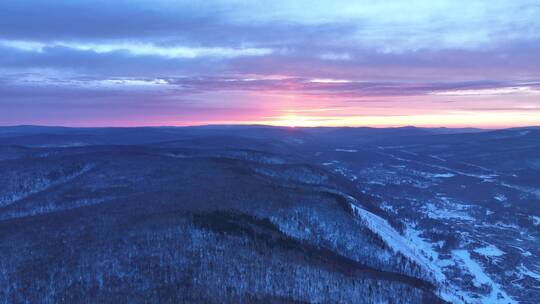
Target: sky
pixel 455 63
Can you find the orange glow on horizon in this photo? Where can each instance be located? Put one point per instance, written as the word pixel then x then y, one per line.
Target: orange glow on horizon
pixel 451 119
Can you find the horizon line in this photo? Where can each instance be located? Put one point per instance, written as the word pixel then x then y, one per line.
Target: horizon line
pixel 265 125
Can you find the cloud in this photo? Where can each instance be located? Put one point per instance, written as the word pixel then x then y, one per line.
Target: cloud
pixel 270 54
pixel 335 56
pixel 389 26
pixel 339 89
pixel 138 49
pixel 490 91
pixel 521 109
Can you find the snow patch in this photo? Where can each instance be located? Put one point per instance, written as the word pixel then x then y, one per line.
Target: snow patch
pixel 525 271
pixel 437 157
pixel 395 240
pixel 529 190
pixel 480 278
pixel 500 197
pixel 422 252
pixel 489 251
pixel 389 208
pixel 443 175
pixel 437 212
pixel 346 150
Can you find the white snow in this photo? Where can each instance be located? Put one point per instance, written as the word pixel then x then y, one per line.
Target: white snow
pixel 445 263
pixel 535 219
pixel 530 190
pixel 443 175
pixel 421 244
pixel 387 207
pixel 437 157
pixel 346 150
pixel 176 155
pixel 484 177
pixel 436 175
pixel 66 145
pixel 525 271
pixel 502 225
pixel 423 252
pixel 395 240
pixel 343 171
pixel 415 249
pixel 409 152
pixel 500 197
pixel 439 212
pixel 489 251
pixel 496 295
